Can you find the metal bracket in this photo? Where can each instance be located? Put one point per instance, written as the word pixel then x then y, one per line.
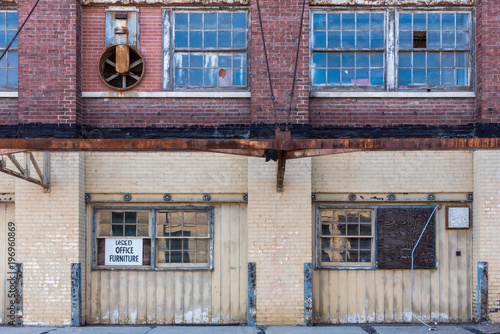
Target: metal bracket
pixel 25 172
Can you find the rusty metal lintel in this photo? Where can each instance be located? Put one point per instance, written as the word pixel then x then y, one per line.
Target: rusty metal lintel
pixel 280 179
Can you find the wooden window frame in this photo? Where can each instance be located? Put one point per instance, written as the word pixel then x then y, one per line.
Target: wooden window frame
pixel 5 59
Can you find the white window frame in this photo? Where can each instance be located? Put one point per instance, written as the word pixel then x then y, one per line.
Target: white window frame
pixel 168 75
pixel 12 49
pixel 391 59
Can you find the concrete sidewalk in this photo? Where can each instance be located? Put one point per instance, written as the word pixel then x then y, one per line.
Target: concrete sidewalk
pixel 352 329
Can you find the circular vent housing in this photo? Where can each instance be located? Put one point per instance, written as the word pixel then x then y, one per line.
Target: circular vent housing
pixel 113 75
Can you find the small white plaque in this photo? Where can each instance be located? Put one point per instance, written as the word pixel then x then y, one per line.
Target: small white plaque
pixel 458 217
pixel 123 252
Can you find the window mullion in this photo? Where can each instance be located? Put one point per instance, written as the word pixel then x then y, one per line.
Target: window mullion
pixel 391 51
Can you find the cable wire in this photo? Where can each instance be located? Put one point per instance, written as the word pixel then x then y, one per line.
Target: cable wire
pixel 412 253
pixel 296 62
pixel 19 30
pixel 267 63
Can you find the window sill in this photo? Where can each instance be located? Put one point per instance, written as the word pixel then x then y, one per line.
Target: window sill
pixel 393 94
pixel 8 94
pixel 204 95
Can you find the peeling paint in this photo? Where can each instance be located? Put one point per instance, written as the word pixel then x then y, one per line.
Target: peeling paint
pixel 429 3
pixel 166 2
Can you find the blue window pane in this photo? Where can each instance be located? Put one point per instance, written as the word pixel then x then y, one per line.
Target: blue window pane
pixel 181 60
pixel 3 77
pixel 333 60
pixel 210 78
pixel 334 39
pixel 210 39
pixel 239 39
pixel 463 77
pixel 12 21
pixel 405 22
pixel 405 59
pixel 434 22
pixel 363 21
pixel 181 39
pixel 333 21
pixel 419 22
pixel 433 77
pixel 239 21
pixel 224 39
pixel 462 59
pixel 448 21
pixel 348 76
pixel 362 77
pixel 434 39
pixel 3 42
pixel 224 20
pixel 463 21
pixel 448 39
pixel 239 77
pixel 210 60
pixel 377 21
pixel 319 59
pixel 12 60
pixel 181 21
pixel 377 59
pixel 405 39
pixel 362 39
pixel 3 62
pixel 333 77
pixel 348 21
pixel 225 61
pixel 239 60
pixel 195 20
pixel 319 21
pixel 319 39
pixel 419 77
pixel 2 20
pixel 463 39
pixel 433 60
pixel 404 77
pixel 362 59
pixel 10 36
pixel 181 77
pixel 196 60
pixel 377 39
pixel 419 59
pixel 12 77
pixel 448 77
pixel 377 77
pixel 348 39
pixel 348 59
pixel 195 77
pixel 448 59
pixel 195 39
pixel 318 77
pixel 210 21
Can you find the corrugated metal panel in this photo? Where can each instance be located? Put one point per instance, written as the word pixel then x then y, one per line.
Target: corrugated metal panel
pixel 180 297
pixel 6 216
pixel 442 295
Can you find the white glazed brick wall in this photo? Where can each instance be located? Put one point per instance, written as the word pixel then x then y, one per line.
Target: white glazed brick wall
pixel 51 234
pixel 280 232
pixel 393 172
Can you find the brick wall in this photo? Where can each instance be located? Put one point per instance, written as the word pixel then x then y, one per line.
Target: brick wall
pixel 485 225
pixel 279 238
pixel 8 111
pixel 51 234
pixel 389 112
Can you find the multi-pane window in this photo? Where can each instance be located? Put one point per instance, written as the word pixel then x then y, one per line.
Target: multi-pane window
pixel 348 49
pixel 8 65
pixel 346 237
pixel 434 49
pixel 153 238
pixel 209 49
pixel 391 50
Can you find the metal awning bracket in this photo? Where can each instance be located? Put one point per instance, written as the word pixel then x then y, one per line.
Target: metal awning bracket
pixel 24 173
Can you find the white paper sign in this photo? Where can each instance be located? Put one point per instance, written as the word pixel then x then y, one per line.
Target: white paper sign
pixel 125 252
pixel 458 217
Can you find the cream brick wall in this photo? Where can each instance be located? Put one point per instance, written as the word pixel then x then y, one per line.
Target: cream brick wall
pixel 7 183
pixel 51 234
pixel 486 225
pixel 165 172
pixel 393 172
pixel 280 236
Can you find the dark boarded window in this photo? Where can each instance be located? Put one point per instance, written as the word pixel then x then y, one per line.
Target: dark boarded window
pixel 398 230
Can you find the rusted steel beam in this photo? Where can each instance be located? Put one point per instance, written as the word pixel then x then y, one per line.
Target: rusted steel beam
pixel 426 3
pixel 166 2
pixel 280 178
